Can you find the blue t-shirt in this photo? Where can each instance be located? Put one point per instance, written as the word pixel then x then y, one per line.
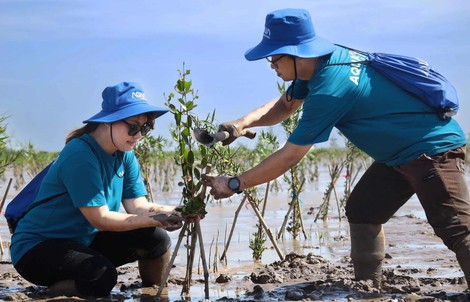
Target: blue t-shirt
pixel 83 175
pixel 373 113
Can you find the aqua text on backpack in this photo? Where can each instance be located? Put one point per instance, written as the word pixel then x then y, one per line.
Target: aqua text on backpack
pixel 23 202
pixel 414 76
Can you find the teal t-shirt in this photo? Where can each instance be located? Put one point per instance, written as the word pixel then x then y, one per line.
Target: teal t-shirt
pixel 373 113
pixel 83 175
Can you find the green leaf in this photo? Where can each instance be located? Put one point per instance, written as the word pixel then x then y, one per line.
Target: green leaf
pixel 187 85
pixel 178 118
pixel 191 157
pixel 180 84
pixel 197 174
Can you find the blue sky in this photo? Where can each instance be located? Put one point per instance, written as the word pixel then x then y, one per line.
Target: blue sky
pixel 56 56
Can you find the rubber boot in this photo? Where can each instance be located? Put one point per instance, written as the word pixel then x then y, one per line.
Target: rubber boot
pixel 63 288
pixel 367 251
pixel 463 257
pixel 152 270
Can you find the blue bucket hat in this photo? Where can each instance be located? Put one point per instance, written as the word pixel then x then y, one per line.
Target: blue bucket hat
pixel 290 32
pixel 122 101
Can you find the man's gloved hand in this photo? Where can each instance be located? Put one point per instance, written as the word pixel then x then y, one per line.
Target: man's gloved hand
pixel 232 129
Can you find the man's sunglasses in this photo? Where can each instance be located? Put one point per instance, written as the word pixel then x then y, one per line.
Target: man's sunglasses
pixel 270 59
pixel 134 129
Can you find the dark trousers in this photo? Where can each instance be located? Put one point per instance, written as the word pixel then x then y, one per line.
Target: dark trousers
pixel 93 268
pixel 439 183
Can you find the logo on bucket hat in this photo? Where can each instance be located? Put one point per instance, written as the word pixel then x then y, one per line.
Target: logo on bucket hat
pixel 124 100
pixel 290 31
pixel 139 95
pixel 267 33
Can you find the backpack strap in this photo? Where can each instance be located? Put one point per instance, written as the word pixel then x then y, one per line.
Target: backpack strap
pixel 443 114
pixel 364 62
pixel 35 204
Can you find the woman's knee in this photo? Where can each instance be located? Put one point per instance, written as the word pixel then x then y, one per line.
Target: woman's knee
pixel 157 244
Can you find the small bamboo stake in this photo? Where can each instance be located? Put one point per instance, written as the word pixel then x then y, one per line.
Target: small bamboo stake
pixel 284 223
pixel 294 202
pixel 210 253
pixel 215 268
pixel 189 266
pixel 334 172
pixel 265 201
pixel 235 217
pixel 150 191
pixel 5 195
pixel 173 257
pixel 203 258
pixel 302 223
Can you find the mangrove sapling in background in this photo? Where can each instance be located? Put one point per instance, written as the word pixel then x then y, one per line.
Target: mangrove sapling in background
pixel 31 161
pixel 146 150
pixel 335 165
pixel 6 159
pixel 349 161
pixel 267 144
pixel 295 179
pixel 355 162
pixel 227 165
pixel 7 156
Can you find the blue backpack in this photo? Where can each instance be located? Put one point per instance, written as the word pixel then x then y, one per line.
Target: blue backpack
pixel 416 77
pixel 23 202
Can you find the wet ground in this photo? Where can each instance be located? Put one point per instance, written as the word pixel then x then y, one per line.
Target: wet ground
pixel 418 267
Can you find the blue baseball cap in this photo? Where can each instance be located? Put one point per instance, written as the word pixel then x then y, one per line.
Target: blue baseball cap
pixel 290 31
pixel 122 101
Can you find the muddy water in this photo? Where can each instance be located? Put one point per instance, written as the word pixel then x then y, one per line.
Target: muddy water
pixel 329 239
pixel 412 250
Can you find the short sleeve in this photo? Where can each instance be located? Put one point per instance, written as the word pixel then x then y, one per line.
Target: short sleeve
pixel 81 175
pixel 298 89
pixel 133 184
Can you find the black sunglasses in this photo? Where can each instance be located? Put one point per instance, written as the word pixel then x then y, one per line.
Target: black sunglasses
pixel 134 129
pixel 270 59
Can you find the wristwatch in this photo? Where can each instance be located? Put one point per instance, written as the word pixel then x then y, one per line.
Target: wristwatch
pixel 234 184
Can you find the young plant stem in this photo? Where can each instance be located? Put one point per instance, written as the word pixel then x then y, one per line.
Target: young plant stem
pixel 263 210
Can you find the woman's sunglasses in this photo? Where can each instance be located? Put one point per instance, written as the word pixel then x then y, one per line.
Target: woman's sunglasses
pixel 134 129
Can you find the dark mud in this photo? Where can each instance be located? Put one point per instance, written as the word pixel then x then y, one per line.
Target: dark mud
pixel 418 267
pixel 296 278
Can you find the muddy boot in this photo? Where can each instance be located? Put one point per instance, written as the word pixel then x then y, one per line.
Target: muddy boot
pixel 367 251
pixel 63 288
pixel 152 270
pixel 463 257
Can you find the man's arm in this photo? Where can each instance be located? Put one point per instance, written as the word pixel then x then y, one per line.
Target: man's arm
pixel 269 114
pixel 269 169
